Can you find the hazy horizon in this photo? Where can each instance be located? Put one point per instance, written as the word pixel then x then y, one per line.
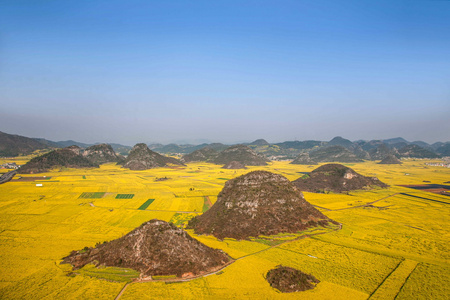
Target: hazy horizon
pixel 225 71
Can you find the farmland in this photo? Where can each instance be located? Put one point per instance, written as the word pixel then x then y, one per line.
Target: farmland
pixel 394 242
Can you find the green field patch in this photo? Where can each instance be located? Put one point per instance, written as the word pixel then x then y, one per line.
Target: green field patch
pixel 223 178
pixel 84 176
pixel 207 203
pixel 179 219
pixel 109 273
pixel 124 196
pixel 146 204
pixel 92 195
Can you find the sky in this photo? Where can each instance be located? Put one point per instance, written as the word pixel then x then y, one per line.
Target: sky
pixel 225 71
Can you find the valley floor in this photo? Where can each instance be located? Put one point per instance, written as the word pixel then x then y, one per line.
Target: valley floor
pixel 394 243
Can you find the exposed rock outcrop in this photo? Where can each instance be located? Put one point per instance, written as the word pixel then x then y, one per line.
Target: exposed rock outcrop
pixel 101 153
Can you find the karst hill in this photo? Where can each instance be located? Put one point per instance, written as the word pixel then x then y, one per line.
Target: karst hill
pixel 154 248
pixel 204 154
pixel 240 153
pixel 390 159
pixel 258 203
pixel 303 159
pixel 142 158
pixel 334 154
pixel 66 157
pixel 101 153
pixel 335 178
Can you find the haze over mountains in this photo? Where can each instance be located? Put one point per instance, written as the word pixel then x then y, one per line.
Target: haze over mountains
pixel 338 149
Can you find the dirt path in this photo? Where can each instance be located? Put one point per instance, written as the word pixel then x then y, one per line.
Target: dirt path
pixel 368 203
pixel 122 290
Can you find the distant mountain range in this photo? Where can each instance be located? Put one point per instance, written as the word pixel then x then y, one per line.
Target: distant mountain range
pixel 14 145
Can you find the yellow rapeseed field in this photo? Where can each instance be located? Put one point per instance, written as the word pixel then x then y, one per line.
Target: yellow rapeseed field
pixel 394 242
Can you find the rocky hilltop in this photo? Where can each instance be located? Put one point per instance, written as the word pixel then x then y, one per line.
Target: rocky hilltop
pixel 101 153
pixel 303 159
pixel 390 160
pixel 203 154
pixel 335 178
pixel 142 158
pixel 257 203
pixel 154 248
pixel 57 158
pixel 240 153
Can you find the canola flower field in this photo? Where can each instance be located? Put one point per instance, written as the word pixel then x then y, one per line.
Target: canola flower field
pixel 398 247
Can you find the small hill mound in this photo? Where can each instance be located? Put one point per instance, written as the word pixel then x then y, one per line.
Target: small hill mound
pixel 240 153
pixel 154 248
pixel 100 154
pixel 56 158
pixel 15 145
pixel 335 178
pixel 334 154
pixel 234 165
pixel 260 142
pixel 142 158
pixel 288 280
pixel 257 203
pixel 390 160
pixel 203 154
pixel 303 159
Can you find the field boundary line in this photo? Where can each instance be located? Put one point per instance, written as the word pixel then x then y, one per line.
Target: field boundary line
pixel 406 280
pixel 393 283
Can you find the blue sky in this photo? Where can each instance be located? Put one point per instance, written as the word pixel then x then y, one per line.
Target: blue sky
pixel 226 71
